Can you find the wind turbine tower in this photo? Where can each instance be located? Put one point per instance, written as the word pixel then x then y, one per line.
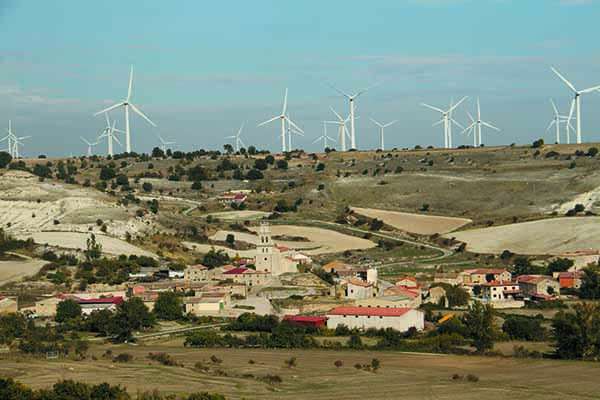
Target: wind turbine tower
pixel 381 131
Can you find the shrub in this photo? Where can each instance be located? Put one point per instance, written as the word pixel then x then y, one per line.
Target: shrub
pixel 338 363
pixel 163 358
pixel 215 360
pixel 291 362
pixel 122 357
pixel 471 377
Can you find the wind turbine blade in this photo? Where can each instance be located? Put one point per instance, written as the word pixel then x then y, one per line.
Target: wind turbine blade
pixel 230 137
pixel 554 106
pixel 336 114
pixel 268 121
pixel 441 121
pixel 457 104
pixel 141 114
pixel 241 128
pixel 85 141
pixel 284 102
pixel 130 84
pixel 390 123
pixel 571 112
pixel 470 117
pixel 589 90
pixel 366 89
pixel 562 78
pixel 433 108
pixel 551 125
pixel 109 109
pixel 117 140
pixel 339 91
pixel 490 126
pixel 317 139
pixel 293 124
pixel 376 123
pixel 242 143
pixel 468 128
pixel 455 122
pixel 107 119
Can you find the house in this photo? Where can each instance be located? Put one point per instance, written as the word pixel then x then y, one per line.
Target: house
pixel 103 303
pixel 196 273
pixel 335 266
pixel 204 305
pixel 451 278
pixel 437 295
pixel 413 293
pixel 359 289
pixel 394 301
pixel 570 280
pixel 538 287
pixel 47 307
pixel 8 305
pixel 483 275
pixel 400 319
pixel 307 321
pixel 247 276
pixel 229 198
pixel 501 294
pixel 407 282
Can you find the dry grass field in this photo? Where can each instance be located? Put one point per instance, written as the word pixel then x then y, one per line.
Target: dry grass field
pixel 12 271
pixel 414 223
pixel 549 236
pixel 406 376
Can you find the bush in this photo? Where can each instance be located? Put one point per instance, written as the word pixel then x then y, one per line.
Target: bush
pixel 163 358
pixel 123 358
pixel 471 377
pixel 147 187
pixel 338 363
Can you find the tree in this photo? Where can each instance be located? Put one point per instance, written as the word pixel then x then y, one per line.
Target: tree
pixel 254 174
pixel 559 265
pixel 5 159
pixel 93 249
pixel 320 167
pixel 122 180
pixel 282 164
pixel 338 363
pixel 107 173
pixel 131 315
pixel 578 334
pixel 251 150
pixel 230 239
pixel 158 153
pixel 590 284
pixel 522 266
pixel 260 164
pixel 67 310
pixel 519 327
pixel 197 185
pixel 592 151
pixel 168 306
pixel 479 320
pixel 215 258
pixel 228 148
pixel 538 143
pixel 355 342
pixel 147 187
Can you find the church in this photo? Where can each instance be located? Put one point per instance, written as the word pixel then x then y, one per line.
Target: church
pixel 274 259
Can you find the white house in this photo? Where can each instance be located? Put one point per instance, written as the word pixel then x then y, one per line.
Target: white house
pixel 400 319
pixel 196 273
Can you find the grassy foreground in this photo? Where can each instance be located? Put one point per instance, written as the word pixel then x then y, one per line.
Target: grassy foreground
pixel 402 375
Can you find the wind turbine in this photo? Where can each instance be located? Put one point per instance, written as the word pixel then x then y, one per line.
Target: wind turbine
pixel 342 130
pixel 109 133
pixel 381 128
pixel 351 99
pixel 471 129
pixel 291 130
pixel 126 104
pixel 284 118
pixel 324 136
pixel 576 99
pixel 163 143
pixel 559 119
pixel 447 120
pixel 237 140
pixel 9 138
pixel 476 126
pixel 16 143
pixel 90 146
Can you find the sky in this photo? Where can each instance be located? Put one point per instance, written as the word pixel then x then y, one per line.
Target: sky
pixel 204 67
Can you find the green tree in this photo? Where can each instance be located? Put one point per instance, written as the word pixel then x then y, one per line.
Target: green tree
pixel 519 327
pixel 254 174
pixel 559 265
pixel 479 320
pixel 67 310
pixel 260 164
pixel 577 333
pixel 282 164
pixel 147 187
pixel 5 159
pixel 168 306
pixel 230 239
pixel 590 284
pixel 93 249
pixel 131 315
pixel 107 173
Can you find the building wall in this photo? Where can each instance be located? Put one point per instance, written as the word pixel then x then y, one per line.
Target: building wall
pixel 413 318
pixel 200 309
pixel 358 292
pixel 46 307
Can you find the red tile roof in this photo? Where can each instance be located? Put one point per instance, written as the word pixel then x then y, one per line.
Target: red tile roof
pixel 485 271
pixel 304 318
pixel 235 271
pixel 359 282
pixel 102 300
pixel 533 278
pixel 370 311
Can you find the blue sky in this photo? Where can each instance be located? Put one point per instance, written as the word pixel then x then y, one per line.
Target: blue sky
pixel 201 68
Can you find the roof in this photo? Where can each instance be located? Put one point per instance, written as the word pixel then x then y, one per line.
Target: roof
pixel 359 282
pixel 198 266
pixel 499 283
pixel 102 300
pixel 336 265
pixel 370 311
pixel 305 318
pixel 235 271
pixel 411 292
pixel 570 275
pixel 485 271
pixel 200 300
pixel 533 279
